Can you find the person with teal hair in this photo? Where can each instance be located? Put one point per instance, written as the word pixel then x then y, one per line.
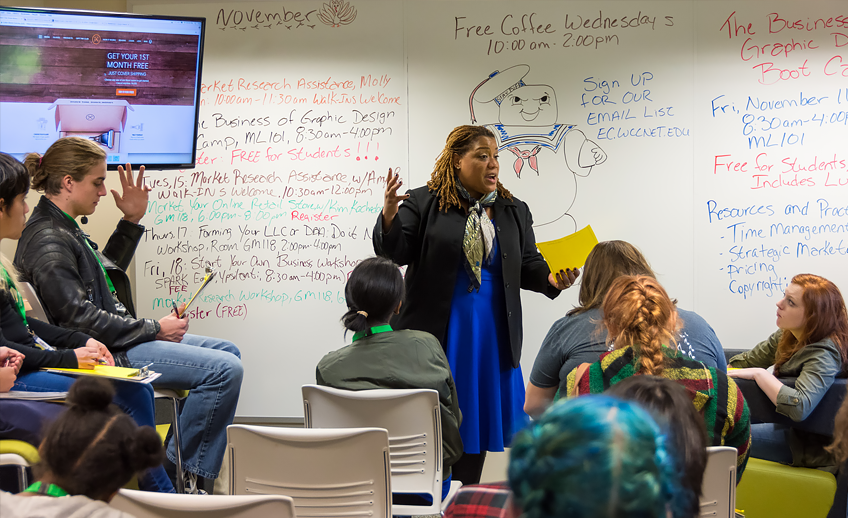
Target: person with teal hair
pixel 593 456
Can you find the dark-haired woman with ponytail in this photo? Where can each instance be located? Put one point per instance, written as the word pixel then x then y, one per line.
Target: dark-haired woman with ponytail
pixel 381 358
pixel 43 345
pixel 641 322
pixel 87 454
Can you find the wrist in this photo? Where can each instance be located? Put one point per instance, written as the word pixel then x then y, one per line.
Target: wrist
pixel 132 219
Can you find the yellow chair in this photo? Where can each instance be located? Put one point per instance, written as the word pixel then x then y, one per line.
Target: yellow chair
pixel 21 454
pixel 772 490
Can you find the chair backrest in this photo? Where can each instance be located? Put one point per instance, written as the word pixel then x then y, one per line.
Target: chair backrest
pixel 718 491
pixel 143 504
pixel 339 472
pixel 28 292
pixel 413 421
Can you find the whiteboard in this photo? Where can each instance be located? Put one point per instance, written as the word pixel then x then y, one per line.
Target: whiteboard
pixel 700 108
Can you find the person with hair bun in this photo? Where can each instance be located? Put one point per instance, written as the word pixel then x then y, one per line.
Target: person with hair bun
pixel 87 454
pixel 381 358
pixel 84 289
pixel 592 457
pixel 39 345
pixel 811 344
pixel 686 435
pixel 470 250
pixel 641 321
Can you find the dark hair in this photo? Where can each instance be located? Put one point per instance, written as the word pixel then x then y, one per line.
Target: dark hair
pixel 14 179
pixel 443 179
pixel 74 156
pixel 672 409
pixel 375 287
pixel 94 449
pixel 592 457
pixel 825 316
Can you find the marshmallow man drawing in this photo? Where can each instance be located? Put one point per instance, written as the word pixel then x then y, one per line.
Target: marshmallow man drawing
pixel 530 140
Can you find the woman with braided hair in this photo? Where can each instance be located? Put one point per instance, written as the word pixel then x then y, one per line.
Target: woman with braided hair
pixel 641 322
pixel 470 249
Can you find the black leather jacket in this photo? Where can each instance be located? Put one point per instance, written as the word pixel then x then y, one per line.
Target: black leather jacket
pixel 53 257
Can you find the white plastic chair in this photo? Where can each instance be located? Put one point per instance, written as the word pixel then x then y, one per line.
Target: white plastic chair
pixel 328 473
pixel 718 491
pixel 414 423
pixel 142 504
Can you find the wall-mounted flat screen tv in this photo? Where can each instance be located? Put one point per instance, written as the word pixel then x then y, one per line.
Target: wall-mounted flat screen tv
pixel 130 83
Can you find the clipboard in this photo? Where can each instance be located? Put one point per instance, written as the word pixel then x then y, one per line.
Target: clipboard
pixel 142 375
pixel 210 274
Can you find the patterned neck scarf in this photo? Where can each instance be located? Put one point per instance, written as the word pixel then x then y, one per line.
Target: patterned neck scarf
pixel 479 233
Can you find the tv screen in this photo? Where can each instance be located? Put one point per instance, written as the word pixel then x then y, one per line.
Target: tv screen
pixel 129 82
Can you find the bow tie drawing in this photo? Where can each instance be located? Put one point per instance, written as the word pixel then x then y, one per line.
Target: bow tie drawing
pixel 521 156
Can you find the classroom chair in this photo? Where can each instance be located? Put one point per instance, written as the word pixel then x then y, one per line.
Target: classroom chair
pixel 142 504
pixel 21 454
pixel 718 490
pixel 36 310
pixel 772 490
pixel 339 472
pixel 414 423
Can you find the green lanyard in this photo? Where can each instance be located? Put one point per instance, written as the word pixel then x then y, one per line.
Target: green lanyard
pixel 373 331
pixel 105 274
pixel 49 490
pixel 19 300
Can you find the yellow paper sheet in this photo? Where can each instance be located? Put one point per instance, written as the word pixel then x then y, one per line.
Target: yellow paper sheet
pixel 103 370
pixel 570 251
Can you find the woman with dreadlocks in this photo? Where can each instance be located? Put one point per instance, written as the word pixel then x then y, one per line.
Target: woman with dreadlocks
pixel 469 247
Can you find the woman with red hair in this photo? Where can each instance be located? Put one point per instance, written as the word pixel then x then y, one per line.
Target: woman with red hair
pixel 810 344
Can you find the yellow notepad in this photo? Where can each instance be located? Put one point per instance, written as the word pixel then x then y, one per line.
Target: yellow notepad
pixel 103 370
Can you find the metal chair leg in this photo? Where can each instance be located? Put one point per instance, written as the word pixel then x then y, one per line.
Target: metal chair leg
pixel 178 447
pixel 23 483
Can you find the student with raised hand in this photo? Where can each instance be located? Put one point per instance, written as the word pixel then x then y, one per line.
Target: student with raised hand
pixel 580 337
pixel 87 454
pixel 73 349
pixel 381 358
pixel 70 276
pixel 684 430
pixel 811 344
pixel 641 322
pixel 593 457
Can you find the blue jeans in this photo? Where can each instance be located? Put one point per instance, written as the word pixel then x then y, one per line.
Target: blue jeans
pixel 770 441
pixel 211 369
pixel 135 399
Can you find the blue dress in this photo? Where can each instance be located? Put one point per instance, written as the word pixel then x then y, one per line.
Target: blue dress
pixel 489 389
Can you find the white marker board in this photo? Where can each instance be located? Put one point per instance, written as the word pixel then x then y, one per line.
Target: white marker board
pixel 723 125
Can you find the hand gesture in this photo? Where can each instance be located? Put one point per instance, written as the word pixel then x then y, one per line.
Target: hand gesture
pixel 11 358
pixel 104 353
pixel 564 278
pixel 87 356
pixel 133 200
pixel 7 378
pixel 391 199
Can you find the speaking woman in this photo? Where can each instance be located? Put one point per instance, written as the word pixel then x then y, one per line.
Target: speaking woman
pixel 470 248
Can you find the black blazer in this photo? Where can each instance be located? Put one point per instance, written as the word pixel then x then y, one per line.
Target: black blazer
pixel 430 242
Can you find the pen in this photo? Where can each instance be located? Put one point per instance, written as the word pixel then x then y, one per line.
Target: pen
pixel 176 310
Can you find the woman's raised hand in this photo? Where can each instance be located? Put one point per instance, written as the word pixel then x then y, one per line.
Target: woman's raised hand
pixel 391 199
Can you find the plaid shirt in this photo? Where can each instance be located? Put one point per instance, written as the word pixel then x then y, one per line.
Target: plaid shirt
pixel 482 501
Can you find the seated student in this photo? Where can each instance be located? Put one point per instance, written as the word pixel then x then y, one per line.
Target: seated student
pixel 686 435
pixel 379 357
pixel 578 337
pixel 593 457
pixel 811 343
pixel 839 449
pixel 70 277
pixel 74 348
pixel 21 420
pixel 641 322
pixel 88 453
